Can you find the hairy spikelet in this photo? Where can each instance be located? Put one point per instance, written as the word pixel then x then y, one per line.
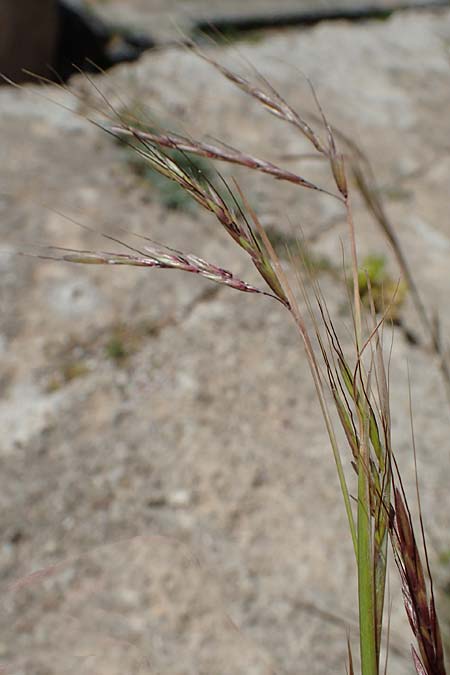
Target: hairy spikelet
pixel 154 257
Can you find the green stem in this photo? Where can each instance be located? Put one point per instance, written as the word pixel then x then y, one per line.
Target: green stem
pixel 356 295
pixel 366 597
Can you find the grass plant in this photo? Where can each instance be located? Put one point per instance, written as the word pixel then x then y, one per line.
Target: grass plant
pixel 352 388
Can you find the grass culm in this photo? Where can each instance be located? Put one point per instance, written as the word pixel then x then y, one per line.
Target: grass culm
pixel 352 388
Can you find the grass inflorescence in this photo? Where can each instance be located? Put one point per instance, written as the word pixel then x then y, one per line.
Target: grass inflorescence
pixel 352 388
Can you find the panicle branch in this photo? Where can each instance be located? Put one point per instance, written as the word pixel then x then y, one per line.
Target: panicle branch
pixel 205 194
pixel 214 152
pixel 272 101
pixel 154 257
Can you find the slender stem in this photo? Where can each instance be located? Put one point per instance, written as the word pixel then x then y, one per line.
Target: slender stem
pixel 367 628
pixel 356 295
pixel 366 584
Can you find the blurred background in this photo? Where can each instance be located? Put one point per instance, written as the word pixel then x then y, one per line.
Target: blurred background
pixel 51 37
pixel 168 500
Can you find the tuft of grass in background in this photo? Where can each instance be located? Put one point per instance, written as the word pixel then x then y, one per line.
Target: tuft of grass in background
pixel 116 349
pixel 378 287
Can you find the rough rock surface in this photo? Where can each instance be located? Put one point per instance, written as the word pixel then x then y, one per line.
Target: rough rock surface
pixel 181 502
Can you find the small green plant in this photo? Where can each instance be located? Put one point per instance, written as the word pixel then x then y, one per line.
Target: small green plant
pixel 115 349
pixel 378 287
pixel 124 340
